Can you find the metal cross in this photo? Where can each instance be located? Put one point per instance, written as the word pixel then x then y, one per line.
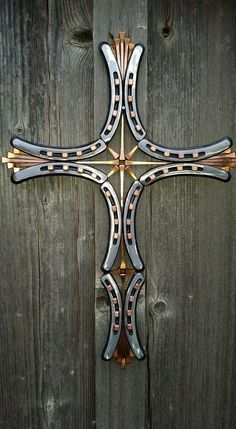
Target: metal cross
pixel 29 160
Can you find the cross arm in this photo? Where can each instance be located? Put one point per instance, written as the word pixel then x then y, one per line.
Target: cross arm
pixel 58 168
pixel 43 168
pixel 179 155
pixel 58 153
pixel 149 147
pixel 181 169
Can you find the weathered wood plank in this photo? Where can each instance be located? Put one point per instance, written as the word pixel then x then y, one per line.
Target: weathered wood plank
pixel 191 271
pixel 52 243
pixel 120 394
pixel 47 249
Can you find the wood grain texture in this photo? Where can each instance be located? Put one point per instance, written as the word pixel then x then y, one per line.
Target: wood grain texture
pixel 47 226
pixel 53 231
pixel 191 264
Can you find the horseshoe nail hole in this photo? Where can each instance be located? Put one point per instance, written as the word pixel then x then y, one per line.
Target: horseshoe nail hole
pixel 165 32
pixel 82 38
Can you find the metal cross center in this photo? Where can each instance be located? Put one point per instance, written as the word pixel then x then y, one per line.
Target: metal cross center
pixel 28 160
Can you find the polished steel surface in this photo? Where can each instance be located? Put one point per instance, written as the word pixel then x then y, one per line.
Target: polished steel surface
pixel 182 154
pixel 59 168
pixel 131 299
pixel 115 322
pixel 130 96
pixel 113 205
pixel 129 228
pixel 170 170
pixel 57 153
pixel 116 94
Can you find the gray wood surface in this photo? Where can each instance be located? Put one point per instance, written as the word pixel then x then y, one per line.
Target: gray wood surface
pixel 47 226
pixel 191 264
pixel 54 313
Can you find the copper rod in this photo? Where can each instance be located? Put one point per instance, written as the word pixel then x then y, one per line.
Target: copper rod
pixel 126 54
pixel 21 155
pixel 122 171
pixel 122 58
pixel 131 47
pixel 210 160
pixel 117 46
pixel 108 162
pixel 113 171
pixel 122 141
pixel 113 152
pixel 128 162
pixel 131 153
pixel 27 160
pixel 122 258
pixel 131 173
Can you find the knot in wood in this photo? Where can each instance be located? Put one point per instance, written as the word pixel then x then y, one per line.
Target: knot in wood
pixel 82 38
pixel 158 308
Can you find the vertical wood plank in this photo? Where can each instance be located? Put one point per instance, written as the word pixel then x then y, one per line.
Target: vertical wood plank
pixel 53 230
pixel 47 226
pixel 120 393
pixel 191 271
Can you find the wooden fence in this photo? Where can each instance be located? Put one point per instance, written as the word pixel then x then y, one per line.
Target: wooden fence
pixel 54 311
